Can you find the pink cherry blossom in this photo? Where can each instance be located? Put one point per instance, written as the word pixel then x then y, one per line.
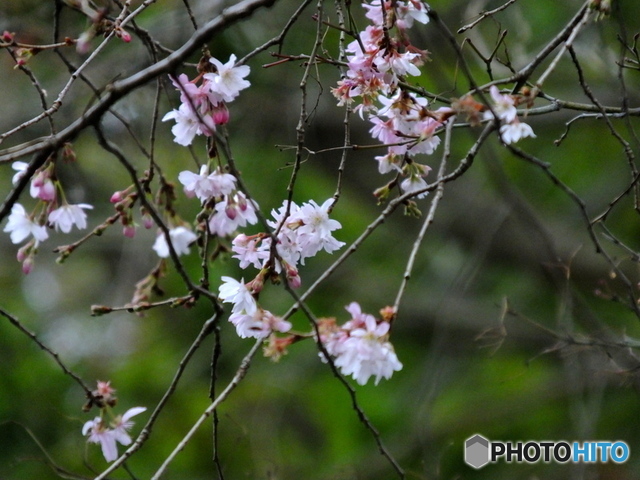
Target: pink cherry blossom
pixel 232 212
pixel 189 124
pixel 101 434
pixel 42 187
pixel 414 183
pixel 123 423
pixel 389 163
pixel 191 94
pixel 246 250
pixel 361 347
pixel 207 185
pixel 259 324
pixel 315 231
pixel 503 106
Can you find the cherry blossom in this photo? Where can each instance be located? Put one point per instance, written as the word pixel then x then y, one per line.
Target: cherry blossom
pixel 414 183
pixel 21 169
pixel 513 132
pixel 315 229
pixel 99 432
pixel 122 424
pixel 259 324
pixel 207 185
pixel 42 187
pixel 246 250
pixel 503 106
pixel 65 217
pixel 361 347
pixel 237 293
pixel 181 238
pixel 231 213
pixel 189 124
pixel 20 226
pixel 228 79
pixel 389 163
pixel 191 94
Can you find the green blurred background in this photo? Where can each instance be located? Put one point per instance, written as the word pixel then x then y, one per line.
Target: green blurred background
pixel 503 234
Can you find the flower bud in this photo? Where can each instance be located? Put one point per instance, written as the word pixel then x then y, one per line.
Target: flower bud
pixel 27 265
pixel 97 310
pixel 220 114
pixel 129 231
pixel 231 212
pixel 47 192
pixel 123 35
pixel 117 197
pixel 147 221
pixel 23 252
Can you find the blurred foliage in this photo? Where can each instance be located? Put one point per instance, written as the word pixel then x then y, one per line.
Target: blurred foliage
pixel 503 233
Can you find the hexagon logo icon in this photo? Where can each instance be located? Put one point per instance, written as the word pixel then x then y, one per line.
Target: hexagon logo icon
pixel 476 451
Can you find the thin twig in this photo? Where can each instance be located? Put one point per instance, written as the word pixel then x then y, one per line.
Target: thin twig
pixel 16 323
pixel 237 378
pixel 429 217
pixel 206 330
pixel 484 15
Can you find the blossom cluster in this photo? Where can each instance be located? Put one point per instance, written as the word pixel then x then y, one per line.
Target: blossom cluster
pixel 247 316
pixel 361 346
pixel 504 106
pixel 108 433
pixel 204 106
pixel 377 63
pixel 52 210
pixel 228 208
pixel 299 232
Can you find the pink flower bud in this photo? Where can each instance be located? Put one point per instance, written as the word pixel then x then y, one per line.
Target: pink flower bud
pixel 242 202
pixel 256 285
pixel 27 265
pixel 23 252
pixel 293 278
pixel 7 36
pixel 147 221
pixel 129 231
pixel 83 44
pixel 220 114
pixel 231 212
pixel 47 192
pixel 124 35
pixel 116 197
pixel 242 240
pixel 38 180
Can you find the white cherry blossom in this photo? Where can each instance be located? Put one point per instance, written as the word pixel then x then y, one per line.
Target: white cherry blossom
pixel 237 293
pixel 20 226
pixel 181 238
pixel 513 132
pixel 65 217
pixel 228 80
